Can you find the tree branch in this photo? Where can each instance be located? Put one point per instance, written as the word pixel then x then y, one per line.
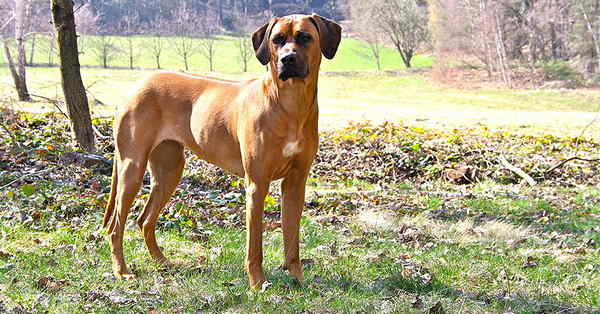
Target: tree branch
pixel 560 164
pixel 517 170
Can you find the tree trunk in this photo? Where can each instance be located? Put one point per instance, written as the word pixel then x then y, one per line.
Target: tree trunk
pixel 20 83
pixel 32 51
pixel 18 70
pixel 75 97
pixel 130 41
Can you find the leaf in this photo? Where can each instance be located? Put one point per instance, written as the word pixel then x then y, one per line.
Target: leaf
pixel 264 286
pixel 271 225
pixel 417 303
pixel 436 308
pixel 28 189
pixel 4 255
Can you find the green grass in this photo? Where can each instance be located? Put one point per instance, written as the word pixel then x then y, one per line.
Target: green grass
pixel 226 60
pixel 369 246
pixel 411 99
pixel 354 267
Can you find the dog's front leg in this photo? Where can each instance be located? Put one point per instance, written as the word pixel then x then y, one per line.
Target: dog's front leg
pixel 293 189
pixel 256 191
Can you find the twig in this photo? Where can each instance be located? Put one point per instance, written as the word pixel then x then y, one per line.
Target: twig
pixel 54 102
pixel 560 164
pixel 98 133
pixel 25 176
pixel 517 170
pixel 596 117
pixel 95 98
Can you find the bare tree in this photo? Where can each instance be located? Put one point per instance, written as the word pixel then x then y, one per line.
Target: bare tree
pixel 245 52
pixel 73 89
pixel 17 69
pixel 208 40
pixel 363 15
pixel 88 24
pixel 130 29
pixel 591 19
pixel 38 16
pixel 104 48
pixel 404 23
pixel 244 40
pixel 156 31
pixel 184 38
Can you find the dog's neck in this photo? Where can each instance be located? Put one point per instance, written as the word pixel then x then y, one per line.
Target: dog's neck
pixel 297 97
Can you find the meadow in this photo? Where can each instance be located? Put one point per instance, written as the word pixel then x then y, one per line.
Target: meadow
pixel 411 212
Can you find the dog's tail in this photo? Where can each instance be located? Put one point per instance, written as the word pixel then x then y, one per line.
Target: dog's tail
pixel 110 206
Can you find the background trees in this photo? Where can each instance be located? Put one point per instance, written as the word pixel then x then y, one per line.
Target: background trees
pixel 500 36
pixel 16 15
pixel 505 34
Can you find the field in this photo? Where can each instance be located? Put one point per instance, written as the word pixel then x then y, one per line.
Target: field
pixel 226 56
pixel 416 215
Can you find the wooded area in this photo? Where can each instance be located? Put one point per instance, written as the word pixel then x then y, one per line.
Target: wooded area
pixel 557 39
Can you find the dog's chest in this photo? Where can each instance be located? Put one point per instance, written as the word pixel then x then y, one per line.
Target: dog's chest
pixel 291 148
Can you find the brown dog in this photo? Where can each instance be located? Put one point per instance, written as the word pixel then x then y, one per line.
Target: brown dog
pixel 261 129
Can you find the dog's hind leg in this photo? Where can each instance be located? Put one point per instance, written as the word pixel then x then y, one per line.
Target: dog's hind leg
pixel 166 164
pixel 131 165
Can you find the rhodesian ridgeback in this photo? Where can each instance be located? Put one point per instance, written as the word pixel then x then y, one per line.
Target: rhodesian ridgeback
pixel 262 130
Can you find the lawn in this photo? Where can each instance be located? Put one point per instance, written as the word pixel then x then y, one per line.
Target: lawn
pixel 350 56
pixel 411 98
pixel 427 234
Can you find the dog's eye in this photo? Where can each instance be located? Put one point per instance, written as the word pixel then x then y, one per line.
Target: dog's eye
pixel 303 38
pixel 279 39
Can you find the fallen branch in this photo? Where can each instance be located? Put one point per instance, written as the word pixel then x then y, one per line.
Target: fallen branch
pixel 25 176
pixel 562 163
pixel 517 170
pixel 98 133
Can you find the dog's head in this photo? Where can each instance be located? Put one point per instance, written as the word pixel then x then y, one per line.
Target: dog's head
pixel 293 44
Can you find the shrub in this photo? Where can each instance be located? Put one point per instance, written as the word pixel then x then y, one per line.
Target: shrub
pixel 561 71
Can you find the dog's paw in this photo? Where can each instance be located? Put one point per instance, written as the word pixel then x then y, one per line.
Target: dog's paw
pixel 125 275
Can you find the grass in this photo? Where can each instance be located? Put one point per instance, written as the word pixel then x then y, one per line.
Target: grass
pixel 491 265
pixel 226 56
pixel 415 246
pixel 412 98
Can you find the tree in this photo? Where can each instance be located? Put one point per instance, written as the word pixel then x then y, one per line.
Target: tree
pixel 104 48
pixel 130 29
pixel 88 24
pixel 184 39
pixel 245 52
pixel 404 23
pixel 156 31
pixel 244 40
pixel 363 15
pixel 207 28
pixel 17 70
pixel 586 33
pixel 73 89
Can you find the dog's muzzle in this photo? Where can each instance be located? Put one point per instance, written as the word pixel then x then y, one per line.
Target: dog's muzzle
pixel 290 66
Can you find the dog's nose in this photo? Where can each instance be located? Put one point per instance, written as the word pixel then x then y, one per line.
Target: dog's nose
pixel 289 59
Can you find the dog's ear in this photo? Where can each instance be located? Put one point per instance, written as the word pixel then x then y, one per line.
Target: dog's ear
pixel 260 41
pixel 330 34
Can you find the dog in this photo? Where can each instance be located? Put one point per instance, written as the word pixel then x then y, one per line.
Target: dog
pixel 262 130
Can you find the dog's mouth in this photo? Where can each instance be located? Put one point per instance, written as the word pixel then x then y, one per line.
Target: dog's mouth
pixel 287 72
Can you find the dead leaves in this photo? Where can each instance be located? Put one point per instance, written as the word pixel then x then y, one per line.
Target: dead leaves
pixel 5 255
pixel 50 283
pixel 391 153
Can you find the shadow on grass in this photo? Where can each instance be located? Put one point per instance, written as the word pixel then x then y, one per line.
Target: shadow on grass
pixel 396 284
